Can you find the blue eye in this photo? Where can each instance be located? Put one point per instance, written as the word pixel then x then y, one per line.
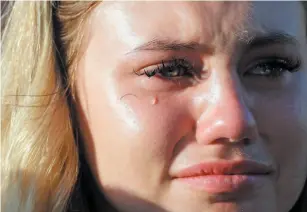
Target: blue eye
pixel 273 67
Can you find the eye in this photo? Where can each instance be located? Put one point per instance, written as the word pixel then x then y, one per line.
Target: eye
pixel 175 68
pixel 273 67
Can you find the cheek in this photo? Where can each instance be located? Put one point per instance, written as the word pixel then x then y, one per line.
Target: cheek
pixel 283 122
pixel 132 129
pixel 158 123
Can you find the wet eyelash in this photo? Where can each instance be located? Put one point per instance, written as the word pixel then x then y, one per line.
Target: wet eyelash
pixel 174 64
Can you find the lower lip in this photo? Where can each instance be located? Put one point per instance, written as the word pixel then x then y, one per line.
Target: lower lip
pixel 222 183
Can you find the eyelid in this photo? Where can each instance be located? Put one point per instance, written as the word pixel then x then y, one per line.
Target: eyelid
pixel 272 68
pixel 172 63
pixel 289 60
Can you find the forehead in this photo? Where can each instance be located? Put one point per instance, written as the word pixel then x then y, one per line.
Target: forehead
pixel 201 22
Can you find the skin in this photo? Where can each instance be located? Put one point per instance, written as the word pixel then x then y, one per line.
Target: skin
pixel 140 130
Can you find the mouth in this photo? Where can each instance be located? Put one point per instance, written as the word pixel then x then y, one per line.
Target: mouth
pixel 224 176
pixel 223 167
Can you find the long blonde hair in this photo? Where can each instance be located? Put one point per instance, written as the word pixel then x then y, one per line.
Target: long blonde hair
pixel 39 155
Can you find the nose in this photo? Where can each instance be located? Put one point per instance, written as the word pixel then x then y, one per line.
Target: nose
pixel 226 115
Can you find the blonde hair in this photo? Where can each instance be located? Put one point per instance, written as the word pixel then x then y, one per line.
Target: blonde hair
pixel 39 152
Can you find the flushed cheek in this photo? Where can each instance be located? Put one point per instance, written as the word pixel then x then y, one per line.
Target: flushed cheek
pixel 162 121
pixel 145 124
pixel 161 116
pixel 134 132
pixel 160 125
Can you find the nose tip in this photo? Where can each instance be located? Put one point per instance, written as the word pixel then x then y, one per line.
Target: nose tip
pixel 239 124
pixel 232 121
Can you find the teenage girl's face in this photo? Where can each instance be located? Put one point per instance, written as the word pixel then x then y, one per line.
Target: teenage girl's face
pixel 196 106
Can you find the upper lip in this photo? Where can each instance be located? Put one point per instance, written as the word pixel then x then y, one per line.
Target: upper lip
pixel 242 167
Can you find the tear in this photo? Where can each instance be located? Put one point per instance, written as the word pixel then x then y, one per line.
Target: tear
pixel 154 100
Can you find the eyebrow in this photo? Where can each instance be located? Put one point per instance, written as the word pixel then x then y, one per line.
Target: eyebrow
pixel 171 45
pixel 257 41
pixel 271 38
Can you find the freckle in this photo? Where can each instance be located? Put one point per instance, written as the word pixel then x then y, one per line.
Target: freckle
pixel 154 100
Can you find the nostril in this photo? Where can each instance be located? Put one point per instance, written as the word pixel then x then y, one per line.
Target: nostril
pixel 245 141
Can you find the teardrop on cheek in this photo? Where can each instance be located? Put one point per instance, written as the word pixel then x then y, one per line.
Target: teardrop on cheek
pixel 154 100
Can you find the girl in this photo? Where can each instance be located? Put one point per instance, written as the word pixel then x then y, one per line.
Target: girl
pixel 154 106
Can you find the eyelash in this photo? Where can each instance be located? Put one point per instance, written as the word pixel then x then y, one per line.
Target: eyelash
pixel 183 67
pixel 274 67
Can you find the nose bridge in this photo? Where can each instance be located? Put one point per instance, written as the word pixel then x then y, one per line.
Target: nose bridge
pixel 231 103
pixel 229 115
